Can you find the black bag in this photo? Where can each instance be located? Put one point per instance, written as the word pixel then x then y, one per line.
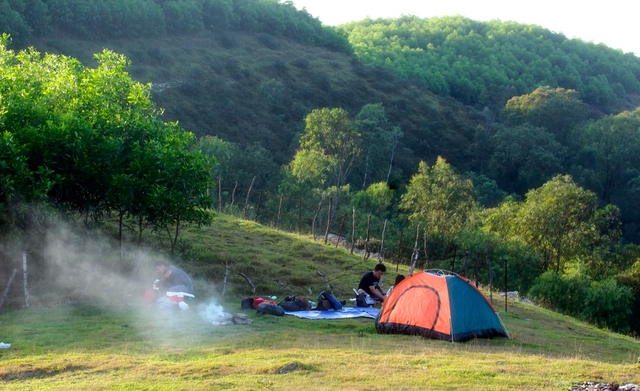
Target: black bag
pixel 291 305
pixel 247 303
pixel 270 309
pixel 361 300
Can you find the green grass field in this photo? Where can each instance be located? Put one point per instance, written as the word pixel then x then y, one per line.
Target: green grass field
pixel 130 346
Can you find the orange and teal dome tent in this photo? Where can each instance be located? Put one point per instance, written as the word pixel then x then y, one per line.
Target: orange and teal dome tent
pixel 440 305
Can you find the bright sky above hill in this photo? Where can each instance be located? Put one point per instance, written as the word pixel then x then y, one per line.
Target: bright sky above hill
pixel 613 22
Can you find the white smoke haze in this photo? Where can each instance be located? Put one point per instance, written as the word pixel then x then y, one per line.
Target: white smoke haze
pixel 87 269
pixel 213 313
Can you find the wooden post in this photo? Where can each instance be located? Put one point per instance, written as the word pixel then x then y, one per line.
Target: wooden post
pixel 219 193
pixel 26 286
pixel 315 217
pixel 476 270
pixel 233 196
pixel 5 292
pixel 486 257
pixel 505 285
pixel 366 240
pixel 258 206
pixel 416 251
pixel 353 229
pixel 399 253
pixel 426 253
pixel 381 253
pixel 326 232
pixel 279 211
pixel 344 219
pixel 300 216
pixel 226 276
pixel 246 202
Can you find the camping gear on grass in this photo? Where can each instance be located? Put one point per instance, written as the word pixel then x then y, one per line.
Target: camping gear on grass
pixel 439 305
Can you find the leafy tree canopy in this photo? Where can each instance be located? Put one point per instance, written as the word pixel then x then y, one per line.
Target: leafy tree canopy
pixel 465 58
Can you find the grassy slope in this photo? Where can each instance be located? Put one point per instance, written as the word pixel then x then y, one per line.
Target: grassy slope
pixel 135 348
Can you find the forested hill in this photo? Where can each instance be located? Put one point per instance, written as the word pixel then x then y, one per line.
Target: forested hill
pixel 250 71
pixel 481 62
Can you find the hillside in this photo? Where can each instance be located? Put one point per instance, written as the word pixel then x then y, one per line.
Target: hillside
pixel 248 88
pixel 139 348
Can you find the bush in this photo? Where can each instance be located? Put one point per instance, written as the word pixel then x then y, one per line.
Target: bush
pixel 608 305
pixel 602 303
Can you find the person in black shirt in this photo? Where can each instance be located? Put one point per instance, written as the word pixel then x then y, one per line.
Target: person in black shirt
pixel 370 283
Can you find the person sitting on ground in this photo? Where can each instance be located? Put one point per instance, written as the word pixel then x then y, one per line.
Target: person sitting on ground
pixel 172 279
pixel 399 278
pixel 369 283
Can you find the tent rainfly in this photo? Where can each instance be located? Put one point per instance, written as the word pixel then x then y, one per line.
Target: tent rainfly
pixel 439 305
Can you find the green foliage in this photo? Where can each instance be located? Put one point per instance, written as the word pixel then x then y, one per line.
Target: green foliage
pixel 524 157
pixel 603 303
pixel 89 141
pixel 467 59
pixel 441 201
pixel 558 110
pixel 153 18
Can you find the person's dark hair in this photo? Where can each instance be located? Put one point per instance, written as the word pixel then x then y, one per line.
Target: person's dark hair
pixel 161 263
pixel 399 278
pixel 381 267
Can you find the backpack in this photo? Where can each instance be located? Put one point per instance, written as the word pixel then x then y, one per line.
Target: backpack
pixel 270 309
pixel 361 300
pixel 323 305
pixel 333 302
pixel 291 305
pixel 247 303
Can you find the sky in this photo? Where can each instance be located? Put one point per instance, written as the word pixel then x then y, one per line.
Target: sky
pixel 613 22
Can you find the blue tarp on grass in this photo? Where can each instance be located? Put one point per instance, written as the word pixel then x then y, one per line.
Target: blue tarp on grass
pixel 344 313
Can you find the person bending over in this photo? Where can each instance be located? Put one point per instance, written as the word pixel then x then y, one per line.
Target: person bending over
pixel 370 283
pixel 172 278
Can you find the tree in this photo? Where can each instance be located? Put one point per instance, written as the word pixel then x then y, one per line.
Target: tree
pixel 557 220
pixel 557 109
pixel 440 200
pixel 328 147
pixel 89 142
pixel 380 140
pixel 524 157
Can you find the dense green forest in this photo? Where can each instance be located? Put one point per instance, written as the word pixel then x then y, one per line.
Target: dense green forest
pixel 494 139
